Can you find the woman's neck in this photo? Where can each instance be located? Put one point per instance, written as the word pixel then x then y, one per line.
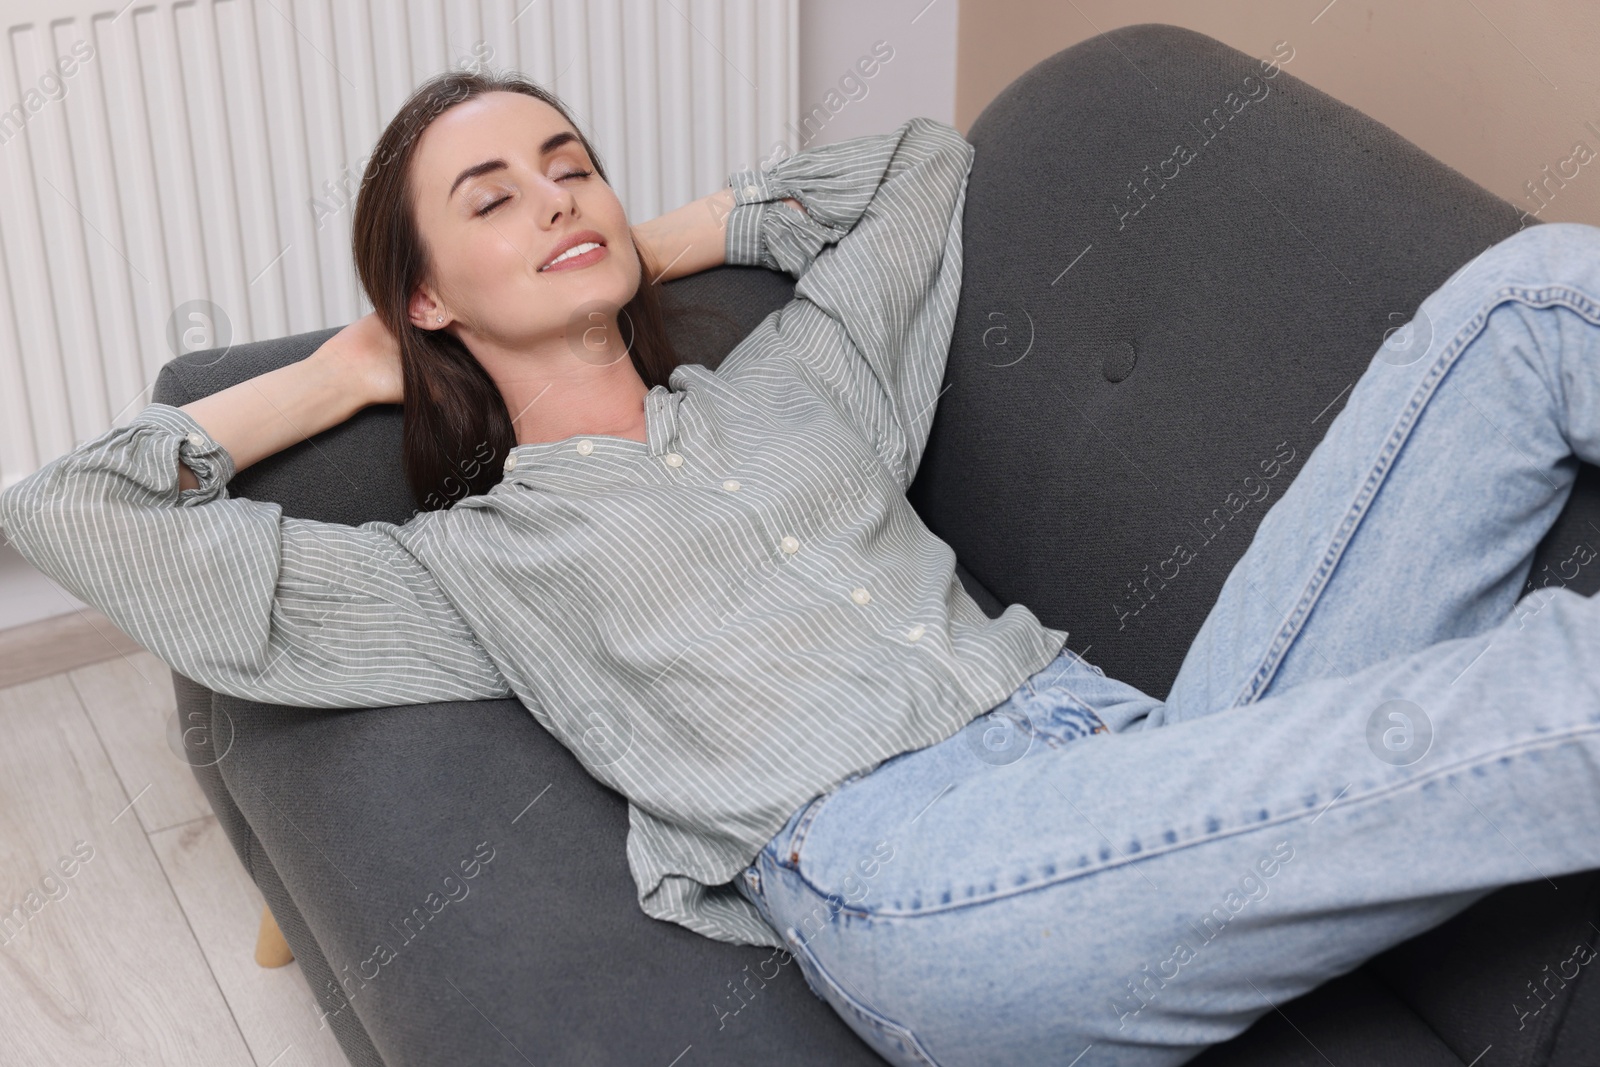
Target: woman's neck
pixel 552 396
pixel 554 409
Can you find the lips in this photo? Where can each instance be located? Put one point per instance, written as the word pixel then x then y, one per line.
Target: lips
pixel 582 258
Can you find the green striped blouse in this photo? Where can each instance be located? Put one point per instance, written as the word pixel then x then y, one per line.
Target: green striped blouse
pixel 721 621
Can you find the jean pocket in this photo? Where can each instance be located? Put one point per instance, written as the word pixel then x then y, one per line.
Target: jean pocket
pixel 1057 716
pixel 790 842
pixel 886 1037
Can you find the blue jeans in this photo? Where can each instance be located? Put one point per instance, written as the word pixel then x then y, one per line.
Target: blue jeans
pixel 1372 730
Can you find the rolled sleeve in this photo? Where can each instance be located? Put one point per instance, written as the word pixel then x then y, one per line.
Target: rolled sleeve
pixel 188 441
pixel 763 231
pixel 876 254
pixel 229 592
pixel 745 247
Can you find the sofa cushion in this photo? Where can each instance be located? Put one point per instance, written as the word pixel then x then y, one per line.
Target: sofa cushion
pixel 466 882
pixel 1354 1019
pixel 1538 999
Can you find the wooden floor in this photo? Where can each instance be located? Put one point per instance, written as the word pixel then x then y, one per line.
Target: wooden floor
pixel 134 926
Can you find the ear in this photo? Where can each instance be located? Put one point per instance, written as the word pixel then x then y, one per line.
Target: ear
pixel 423 311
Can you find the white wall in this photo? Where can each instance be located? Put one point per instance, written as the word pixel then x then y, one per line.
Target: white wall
pixel 919 79
pixel 26 595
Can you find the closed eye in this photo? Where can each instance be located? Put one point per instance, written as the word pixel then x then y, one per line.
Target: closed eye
pixel 496 203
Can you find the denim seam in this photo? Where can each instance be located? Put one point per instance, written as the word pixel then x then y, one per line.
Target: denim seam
pixel 797 839
pixel 1542 296
pixel 1465 764
pixel 875 1018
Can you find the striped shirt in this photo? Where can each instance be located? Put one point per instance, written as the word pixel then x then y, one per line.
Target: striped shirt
pixel 721 621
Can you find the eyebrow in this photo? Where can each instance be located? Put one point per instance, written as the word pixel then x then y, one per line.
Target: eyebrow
pixel 551 143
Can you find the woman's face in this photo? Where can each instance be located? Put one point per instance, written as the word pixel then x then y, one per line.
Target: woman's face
pixel 501 186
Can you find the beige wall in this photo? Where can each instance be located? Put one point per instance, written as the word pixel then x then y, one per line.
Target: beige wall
pixel 1498 89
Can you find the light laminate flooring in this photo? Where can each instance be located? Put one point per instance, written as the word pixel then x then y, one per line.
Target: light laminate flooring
pixel 143 953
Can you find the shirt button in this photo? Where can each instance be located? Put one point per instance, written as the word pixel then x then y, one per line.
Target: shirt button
pixel 860 596
pixel 196 440
pixel 790 545
pixel 751 190
pixel 731 486
pixel 916 632
pixel 511 463
pixel 672 459
pixel 585 447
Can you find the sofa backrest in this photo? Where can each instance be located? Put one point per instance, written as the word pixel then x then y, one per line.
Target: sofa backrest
pixel 1174 269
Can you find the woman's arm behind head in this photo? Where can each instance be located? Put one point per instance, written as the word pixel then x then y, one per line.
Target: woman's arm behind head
pixel 229 592
pixel 257 418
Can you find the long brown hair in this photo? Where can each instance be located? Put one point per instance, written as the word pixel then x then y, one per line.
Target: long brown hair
pixel 457 430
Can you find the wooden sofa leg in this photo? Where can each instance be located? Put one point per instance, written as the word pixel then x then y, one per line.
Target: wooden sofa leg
pixel 271 949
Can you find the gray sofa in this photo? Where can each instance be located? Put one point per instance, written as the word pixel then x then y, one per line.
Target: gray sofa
pixel 1122 357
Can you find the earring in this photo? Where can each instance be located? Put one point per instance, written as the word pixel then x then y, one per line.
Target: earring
pixel 441 318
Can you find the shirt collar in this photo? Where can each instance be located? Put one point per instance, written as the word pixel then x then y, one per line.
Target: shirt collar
pixel 661 432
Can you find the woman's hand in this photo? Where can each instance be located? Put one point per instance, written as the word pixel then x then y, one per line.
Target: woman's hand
pixel 260 416
pixel 367 356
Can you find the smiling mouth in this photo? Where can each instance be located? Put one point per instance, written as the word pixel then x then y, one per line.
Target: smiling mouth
pixel 578 256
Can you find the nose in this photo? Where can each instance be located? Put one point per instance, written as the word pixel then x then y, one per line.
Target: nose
pixel 560 200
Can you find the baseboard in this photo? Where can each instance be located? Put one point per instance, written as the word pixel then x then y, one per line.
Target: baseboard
pixel 62 643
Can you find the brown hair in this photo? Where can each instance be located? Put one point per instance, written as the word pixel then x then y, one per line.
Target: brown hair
pixel 456 427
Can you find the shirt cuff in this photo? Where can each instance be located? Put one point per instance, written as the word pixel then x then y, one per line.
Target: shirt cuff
pixel 211 463
pixel 752 192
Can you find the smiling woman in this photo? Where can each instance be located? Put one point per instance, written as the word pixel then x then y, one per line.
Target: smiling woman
pixel 494 250
pixel 477 185
pixel 507 288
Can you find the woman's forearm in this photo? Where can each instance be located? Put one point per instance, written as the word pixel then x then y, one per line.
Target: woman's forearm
pixel 689 239
pixel 266 414
pixel 685 240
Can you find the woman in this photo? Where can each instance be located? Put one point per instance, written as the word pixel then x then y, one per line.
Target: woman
pixel 710 586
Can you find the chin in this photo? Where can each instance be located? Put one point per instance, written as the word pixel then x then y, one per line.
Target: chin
pixel 616 287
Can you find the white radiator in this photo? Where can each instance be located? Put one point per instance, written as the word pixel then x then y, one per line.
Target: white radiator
pixel 181 175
